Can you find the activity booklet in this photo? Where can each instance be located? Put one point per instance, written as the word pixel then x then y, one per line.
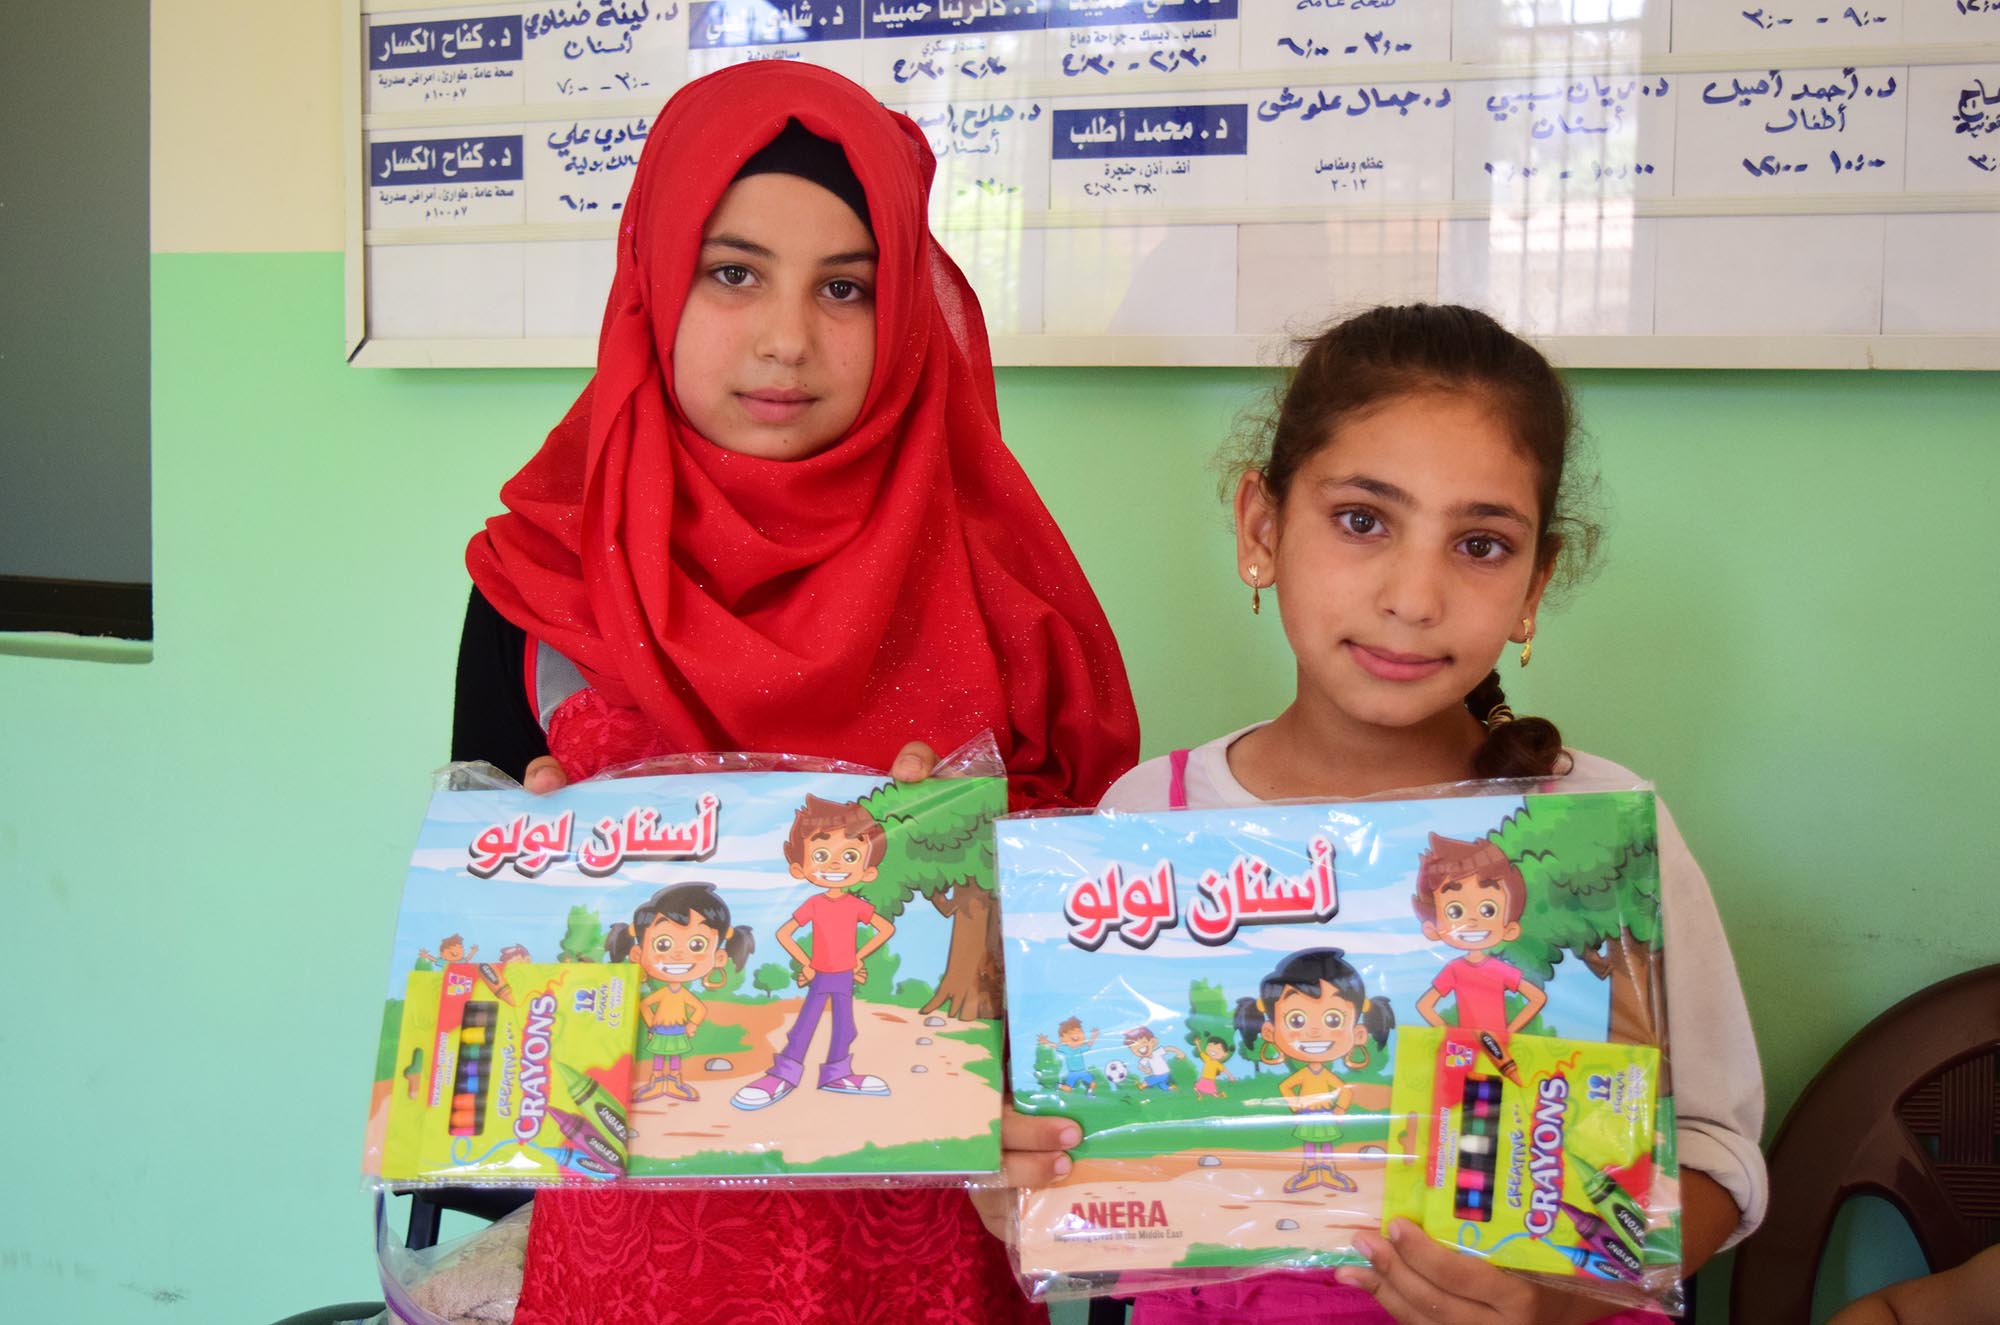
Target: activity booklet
pixel 714 975
pixel 1281 1026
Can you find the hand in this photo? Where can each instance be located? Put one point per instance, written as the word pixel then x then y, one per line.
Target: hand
pixel 860 972
pixel 913 763
pixel 805 976
pixel 1408 1273
pixel 544 775
pixel 1031 1155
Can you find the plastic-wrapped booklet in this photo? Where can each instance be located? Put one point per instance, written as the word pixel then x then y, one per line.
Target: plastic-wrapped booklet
pixel 716 975
pixel 1283 1025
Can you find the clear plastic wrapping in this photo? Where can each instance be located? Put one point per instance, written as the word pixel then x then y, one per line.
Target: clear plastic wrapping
pixel 1284 1025
pixel 723 968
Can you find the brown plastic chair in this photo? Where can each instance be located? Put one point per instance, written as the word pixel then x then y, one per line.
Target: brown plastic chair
pixel 1908 1111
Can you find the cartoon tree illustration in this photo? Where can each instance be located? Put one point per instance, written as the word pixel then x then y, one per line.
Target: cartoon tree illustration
pixel 1592 868
pixel 941 849
pixel 1047 1069
pixel 770 978
pixel 881 981
pixel 583 938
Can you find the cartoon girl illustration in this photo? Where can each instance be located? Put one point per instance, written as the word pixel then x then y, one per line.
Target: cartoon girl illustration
pixel 1314 1010
pixel 681 936
pixel 1214 1063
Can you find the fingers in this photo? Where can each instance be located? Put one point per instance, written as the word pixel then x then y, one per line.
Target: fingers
pixel 544 775
pixel 1407 1273
pixel 914 762
pixel 1032 1147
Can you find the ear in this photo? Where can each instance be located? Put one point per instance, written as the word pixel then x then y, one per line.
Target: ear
pixel 1264 1033
pixel 798 871
pixel 1536 588
pixel 868 875
pixel 1430 931
pixel 1511 932
pixel 1256 529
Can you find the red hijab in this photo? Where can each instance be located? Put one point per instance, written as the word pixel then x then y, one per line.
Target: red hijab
pixel 905 583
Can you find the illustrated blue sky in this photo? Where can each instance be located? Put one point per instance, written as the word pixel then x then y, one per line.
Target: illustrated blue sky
pixel 1119 987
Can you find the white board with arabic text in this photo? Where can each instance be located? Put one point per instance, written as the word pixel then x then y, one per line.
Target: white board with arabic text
pixel 1634 183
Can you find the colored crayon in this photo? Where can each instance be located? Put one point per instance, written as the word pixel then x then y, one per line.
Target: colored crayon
pixel 1470 1144
pixel 1589 1262
pixel 1604 1191
pixel 1498 1053
pixel 580 1133
pixel 491 975
pixel 581 1085
pixel 571 1158
pixel 472 1035
pixel 1601 1238
pixel 612 1120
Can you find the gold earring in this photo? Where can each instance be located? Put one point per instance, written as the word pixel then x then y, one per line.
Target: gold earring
pixel 1528 644
pixel 1256 603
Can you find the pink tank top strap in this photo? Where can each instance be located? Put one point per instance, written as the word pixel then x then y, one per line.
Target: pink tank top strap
pixel 1177 780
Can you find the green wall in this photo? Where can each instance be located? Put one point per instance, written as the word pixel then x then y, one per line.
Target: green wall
pixel 1792 633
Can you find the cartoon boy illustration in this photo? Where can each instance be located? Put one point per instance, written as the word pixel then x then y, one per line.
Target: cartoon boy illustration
pixel 1470 896
pixel 1075 1072
pixel 836 846
pixel 451 950
pixel 1152 1059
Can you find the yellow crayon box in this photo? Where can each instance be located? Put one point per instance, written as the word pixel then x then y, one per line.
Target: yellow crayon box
pixel 515 1073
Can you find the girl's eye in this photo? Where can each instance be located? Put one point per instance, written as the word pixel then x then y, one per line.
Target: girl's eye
pixel 663 944
pixel 1333 1019
pixel 844 291
pixel 1484 547
pixel 732 274
pixel 1359 523
pixel 697 945
pixel 1296 1020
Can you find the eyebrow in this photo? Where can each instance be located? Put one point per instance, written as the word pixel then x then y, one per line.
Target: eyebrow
pixel 1389 492
pixel 739 244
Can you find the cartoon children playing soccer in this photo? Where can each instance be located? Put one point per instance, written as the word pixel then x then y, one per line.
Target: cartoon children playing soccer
pixel 836 846
pixel 1470 896
pixel 1314 1009
pixel 1075 1071
pixel 1152 1059
pixel 678 938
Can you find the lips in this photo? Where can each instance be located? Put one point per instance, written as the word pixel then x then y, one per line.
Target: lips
pixel 677 968
pixel 1472 935
pixel 1389 665
pixel 833 876
pixel 1315 1046
pixel 776 405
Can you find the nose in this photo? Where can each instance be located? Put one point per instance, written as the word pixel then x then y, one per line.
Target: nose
pixel 785 335
pixel 1412 588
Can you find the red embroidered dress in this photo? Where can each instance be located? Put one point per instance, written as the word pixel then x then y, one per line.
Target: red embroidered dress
pixel 904 583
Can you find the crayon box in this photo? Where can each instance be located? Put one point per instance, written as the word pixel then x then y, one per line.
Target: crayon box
pixel 520 1077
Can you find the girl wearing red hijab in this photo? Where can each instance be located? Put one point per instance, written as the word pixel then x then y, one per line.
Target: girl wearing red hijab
pixel 780 517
